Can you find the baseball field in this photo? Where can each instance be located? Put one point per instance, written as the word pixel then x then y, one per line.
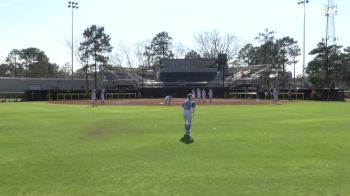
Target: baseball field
pixel 299 148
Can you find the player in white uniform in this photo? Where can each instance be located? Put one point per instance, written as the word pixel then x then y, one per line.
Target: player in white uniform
pixel 193 94
pixel 188 111
pixel 198 94
pixel 204 96
pixel 167 100
pixel 275 96
pixel 210 94
pixel 93 98
pixel 103 96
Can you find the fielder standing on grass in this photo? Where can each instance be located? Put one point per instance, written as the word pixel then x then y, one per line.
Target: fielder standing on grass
pixel 93 98
pixel 275 96
pixel 198 94
pixel 204 96
pixel 210 94
pixel 188 111
pixel 103 96
pixel 289 95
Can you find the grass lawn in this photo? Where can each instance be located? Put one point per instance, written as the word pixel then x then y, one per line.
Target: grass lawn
pixel 291 149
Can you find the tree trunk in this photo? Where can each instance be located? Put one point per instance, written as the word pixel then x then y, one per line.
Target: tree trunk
pixel 283 75
pixel 95 71
pixel 294 72
pixel 14 71
pixel 283 69
pixel 275 77
pixel 86 77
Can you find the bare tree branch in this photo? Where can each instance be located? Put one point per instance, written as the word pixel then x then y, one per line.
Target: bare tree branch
pixel 180 50
pixel 125 50
pixel 116 59
pixel 139 52
pixel 210 43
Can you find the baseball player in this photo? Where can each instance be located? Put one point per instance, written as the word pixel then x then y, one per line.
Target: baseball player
pixel 198 94
pixel 93 98
pixel 193 94
pixel 103 96
pixel 210 93
pixel 167 100
pixel 290 95
pixel 275 96
pixel 204 96
pixel 188 111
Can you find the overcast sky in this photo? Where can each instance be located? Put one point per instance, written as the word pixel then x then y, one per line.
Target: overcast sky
pixel 46 24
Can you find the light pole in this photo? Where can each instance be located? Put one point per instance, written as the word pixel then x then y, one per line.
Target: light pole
pixel 303 2
pixel 72 5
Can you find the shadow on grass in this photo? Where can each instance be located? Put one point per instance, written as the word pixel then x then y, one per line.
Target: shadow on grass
pixel 186 139
pixel 277 104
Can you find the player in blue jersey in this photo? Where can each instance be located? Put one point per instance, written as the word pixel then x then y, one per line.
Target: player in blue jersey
pixel 188 111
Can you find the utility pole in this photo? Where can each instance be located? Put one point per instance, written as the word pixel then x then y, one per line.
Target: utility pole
pixel 72 5
pixel 304 2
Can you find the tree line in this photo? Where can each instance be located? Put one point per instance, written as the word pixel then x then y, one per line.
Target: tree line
pixel 330 66
pixel 31 62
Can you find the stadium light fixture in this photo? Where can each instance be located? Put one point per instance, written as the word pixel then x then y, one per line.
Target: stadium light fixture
pixel 72 5
pixel 303 2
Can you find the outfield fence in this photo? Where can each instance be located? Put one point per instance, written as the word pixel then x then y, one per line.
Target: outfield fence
pixel 295 96
pixel 85 96
pixel 11 96
pixel 121 95
pixel 70 96
pixel 241 95
pixel 253 95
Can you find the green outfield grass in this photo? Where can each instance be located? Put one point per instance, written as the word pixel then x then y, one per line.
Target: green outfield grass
pixel 290 149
